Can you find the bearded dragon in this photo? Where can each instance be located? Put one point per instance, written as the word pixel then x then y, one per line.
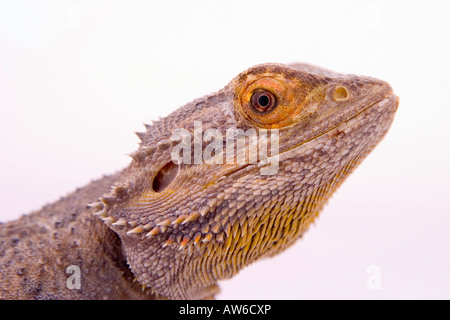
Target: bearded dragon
pixel 171 229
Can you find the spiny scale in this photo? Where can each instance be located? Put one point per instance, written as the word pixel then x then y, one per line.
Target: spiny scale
pixel 96 205
pixel 154 232
pixel 120 222
pixel 137 155
pixel 101 213
pixel 192 217
pixel 136 230
pixel 164 223
pixel 108 220
pixel 141 135
pixel 179 220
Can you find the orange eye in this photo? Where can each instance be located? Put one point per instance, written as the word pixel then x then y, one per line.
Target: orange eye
pixel 266 102
pixel 274 96
pixel 263 101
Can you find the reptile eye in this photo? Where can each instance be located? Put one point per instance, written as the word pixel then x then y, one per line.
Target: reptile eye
pixel 266 101
pixel 263 101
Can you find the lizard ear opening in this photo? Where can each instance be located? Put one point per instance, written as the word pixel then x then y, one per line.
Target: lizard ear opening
pixel 165 176
pixel 340 93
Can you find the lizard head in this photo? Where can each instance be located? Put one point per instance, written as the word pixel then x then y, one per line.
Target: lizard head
pixel 240 174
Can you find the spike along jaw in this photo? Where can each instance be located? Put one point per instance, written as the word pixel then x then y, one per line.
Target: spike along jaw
pixel 184 225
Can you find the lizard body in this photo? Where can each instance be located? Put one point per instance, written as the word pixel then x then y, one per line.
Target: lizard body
pixel 168 229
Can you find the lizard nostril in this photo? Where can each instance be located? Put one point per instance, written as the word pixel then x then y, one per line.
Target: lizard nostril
pixel 165 176
pixel 340 93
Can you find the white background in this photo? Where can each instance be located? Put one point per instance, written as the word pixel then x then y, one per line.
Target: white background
pixel 77 78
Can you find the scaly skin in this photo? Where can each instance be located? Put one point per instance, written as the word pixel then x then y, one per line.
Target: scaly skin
pixel 173 230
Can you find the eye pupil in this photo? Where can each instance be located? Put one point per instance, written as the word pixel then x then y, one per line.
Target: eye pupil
pixel 263 101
